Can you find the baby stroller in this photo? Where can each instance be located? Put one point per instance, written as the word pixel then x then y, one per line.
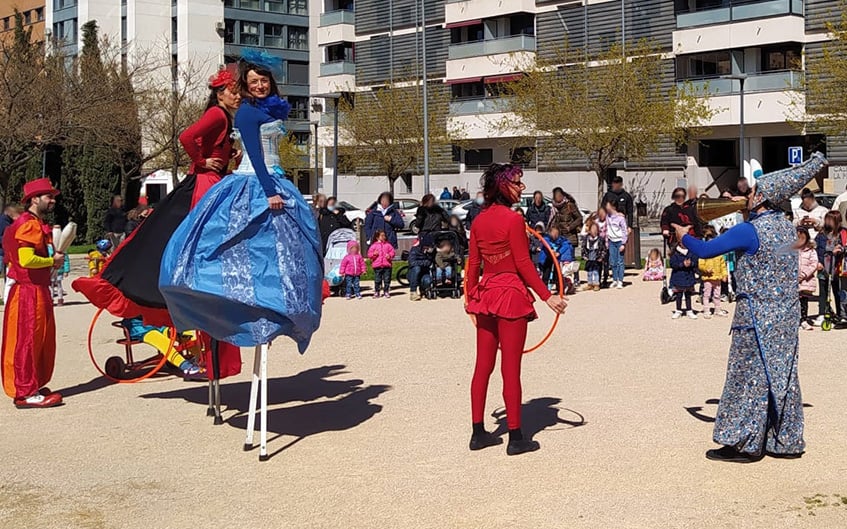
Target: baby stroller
pixel 450 283
pixel 336 249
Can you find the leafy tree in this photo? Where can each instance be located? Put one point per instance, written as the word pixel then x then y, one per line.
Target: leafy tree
pixel 604 107
pixel 382 130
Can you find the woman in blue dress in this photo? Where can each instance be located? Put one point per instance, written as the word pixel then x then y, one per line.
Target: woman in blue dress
pixel 245 265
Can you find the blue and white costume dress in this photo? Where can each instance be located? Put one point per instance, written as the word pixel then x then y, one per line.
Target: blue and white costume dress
pixel 238 270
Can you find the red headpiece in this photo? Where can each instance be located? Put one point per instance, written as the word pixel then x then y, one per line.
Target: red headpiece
pixel 223 78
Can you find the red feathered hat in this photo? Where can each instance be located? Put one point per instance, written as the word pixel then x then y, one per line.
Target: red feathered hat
pixel 39 187
pixel 224 77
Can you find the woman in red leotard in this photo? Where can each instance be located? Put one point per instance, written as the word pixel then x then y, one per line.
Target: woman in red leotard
pixel 501 301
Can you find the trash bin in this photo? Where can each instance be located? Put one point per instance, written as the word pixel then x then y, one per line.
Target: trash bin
pixel 632 251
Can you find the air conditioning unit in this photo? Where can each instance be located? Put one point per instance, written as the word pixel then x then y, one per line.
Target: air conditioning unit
pixel 220 25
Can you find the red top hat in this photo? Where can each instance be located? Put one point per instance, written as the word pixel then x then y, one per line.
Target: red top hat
pixel 39 187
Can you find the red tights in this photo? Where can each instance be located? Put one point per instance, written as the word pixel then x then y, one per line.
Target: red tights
pixel 510 337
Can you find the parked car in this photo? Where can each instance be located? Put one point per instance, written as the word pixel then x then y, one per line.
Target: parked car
pixel 461 210
pixel 407 208
pixel 448 204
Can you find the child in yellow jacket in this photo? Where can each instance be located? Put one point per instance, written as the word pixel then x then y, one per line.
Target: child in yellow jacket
pixel 713 272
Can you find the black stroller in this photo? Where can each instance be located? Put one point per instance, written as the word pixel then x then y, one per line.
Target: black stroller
pixel 447 281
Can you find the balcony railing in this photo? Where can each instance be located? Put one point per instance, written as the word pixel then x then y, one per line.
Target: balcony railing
pixel 737 10
pixel 338 68
pixel 491 47
pixel 469 107
pixel 778 81
pixel 342 16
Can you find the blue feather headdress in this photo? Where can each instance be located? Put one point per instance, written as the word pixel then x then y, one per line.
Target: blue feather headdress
pixel 261 58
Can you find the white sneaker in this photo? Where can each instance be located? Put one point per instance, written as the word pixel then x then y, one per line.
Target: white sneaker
pixel 806 327
pixel 707 315
pixel 676 315
pixel 619 285
pixel 692 315
pixel 818 321
pixel 722 313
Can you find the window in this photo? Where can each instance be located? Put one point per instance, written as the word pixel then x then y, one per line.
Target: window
pixel 230 3
pixel 28 17
pixel 301 138
pixel 299 108
pixel 249 35
pixel 468 90
pixel 123 31
pixel 456 152
pixel 274 36
pixel 298 7
pixel 472 33
pixel 782 58
pixel 65 31
pixel 339 52
pixel 6 23
pixel 522 24
pixel 479 159
pixel 275 6
pixel 39 14
pixel 298 38
pixel 718 153
pixel 298 73
pixel 63 4
pixel 704 65
pixel 174 29
pixel 250 4
pixel 229 32
pixel 523 156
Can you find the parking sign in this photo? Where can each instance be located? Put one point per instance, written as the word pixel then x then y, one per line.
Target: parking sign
pixel 795 155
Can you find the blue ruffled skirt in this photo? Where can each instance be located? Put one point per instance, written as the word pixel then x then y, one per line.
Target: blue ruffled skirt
pixel 243 273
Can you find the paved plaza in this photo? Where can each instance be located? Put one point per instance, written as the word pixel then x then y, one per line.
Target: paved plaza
pixel 369 429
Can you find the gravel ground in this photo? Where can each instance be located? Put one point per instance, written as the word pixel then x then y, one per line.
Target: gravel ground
pixel 370 429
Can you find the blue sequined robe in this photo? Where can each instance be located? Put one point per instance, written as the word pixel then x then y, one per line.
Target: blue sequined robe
pixel 761 406
pixel 240 271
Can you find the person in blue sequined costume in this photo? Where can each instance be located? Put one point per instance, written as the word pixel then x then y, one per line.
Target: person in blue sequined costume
pixel 245 265
pixel 761 410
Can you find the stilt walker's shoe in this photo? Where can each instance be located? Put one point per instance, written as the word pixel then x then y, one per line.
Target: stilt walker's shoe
pixel 478 442
pixel 729 454
pixel 521 446
pixel 39 401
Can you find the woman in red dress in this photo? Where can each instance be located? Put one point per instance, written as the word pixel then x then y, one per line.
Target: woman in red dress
pixel 501 301
pixel 129 284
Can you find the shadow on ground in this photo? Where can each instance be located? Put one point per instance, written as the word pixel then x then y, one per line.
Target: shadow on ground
pixel 350 403
pixel 696 411
pixel 541 414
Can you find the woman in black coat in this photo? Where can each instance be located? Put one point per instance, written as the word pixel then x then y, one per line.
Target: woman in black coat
pixel 331 218
pixel 538 211
pixel 430 217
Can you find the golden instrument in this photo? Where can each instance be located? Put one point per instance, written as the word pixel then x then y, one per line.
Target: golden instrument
pixel 714 208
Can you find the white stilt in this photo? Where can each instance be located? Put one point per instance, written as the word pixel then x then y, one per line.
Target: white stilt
pixel 254 392
pixel 263 433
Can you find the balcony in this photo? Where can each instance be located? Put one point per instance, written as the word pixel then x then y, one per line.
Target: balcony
pixel 739 10
pixel 483 48
pixel 338 68
pixel 341 16
pixel 469 107
pixel 779 81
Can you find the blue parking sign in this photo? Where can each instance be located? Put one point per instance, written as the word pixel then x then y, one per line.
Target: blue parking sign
pixel 795 155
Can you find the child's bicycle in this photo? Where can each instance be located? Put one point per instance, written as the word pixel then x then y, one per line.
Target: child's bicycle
pixel 829 320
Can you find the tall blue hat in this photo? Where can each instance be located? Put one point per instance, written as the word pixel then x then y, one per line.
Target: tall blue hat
pixel 781 185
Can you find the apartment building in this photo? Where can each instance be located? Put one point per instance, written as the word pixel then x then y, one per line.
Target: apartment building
pixel 32 12
pixel 473 47
pixel 204 34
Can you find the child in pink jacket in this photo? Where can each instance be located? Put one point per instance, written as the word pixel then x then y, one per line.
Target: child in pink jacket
pixel 381 253
pixel 352 267
pixel 808 274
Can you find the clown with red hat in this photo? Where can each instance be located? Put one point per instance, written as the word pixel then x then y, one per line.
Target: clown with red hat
pixel 29 329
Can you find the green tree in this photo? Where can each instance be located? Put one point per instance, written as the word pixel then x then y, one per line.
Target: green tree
pixel 602 106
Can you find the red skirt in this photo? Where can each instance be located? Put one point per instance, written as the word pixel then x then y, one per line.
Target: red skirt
pixel 502 295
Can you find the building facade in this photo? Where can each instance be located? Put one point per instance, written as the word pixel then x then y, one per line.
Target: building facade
pixel 33 16
pixel 205 34
pixel 474 45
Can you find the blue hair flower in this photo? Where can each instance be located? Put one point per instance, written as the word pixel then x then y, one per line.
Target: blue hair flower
pixel 261 58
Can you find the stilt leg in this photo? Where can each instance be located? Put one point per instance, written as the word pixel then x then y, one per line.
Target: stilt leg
pixel 216 369
pixel 263 434
pixel 210 411
pixel 254 392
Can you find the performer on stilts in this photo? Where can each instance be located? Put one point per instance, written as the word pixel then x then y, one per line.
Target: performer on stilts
pixel 29 329
pixel 128 287
pixel 761 410
pixel 246 265
pixel 501 302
